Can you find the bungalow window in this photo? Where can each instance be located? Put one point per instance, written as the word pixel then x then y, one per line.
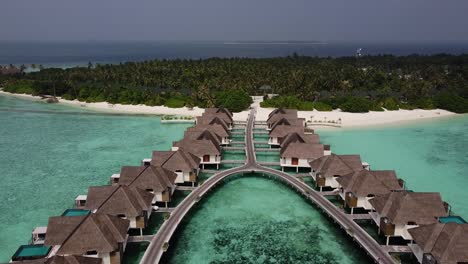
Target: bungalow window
pixel 122 215
pixel 206 158
pixel 91 252
pixel 295 161
pixel 412 223
pixel 370 196
pixel 149 190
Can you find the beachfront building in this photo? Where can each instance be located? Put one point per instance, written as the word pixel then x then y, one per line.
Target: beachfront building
pixel 123 201
pixel 218 130
pixel 158 181
pixel 185 164
pixel 94 235
pixel 359 187
pixel 280 132
pixel 327 169
pixel 397 212
pixel 299 155
pixel 213 120
pixel 219 111
pixel 208 151
pixel 72 259
pixel 440 243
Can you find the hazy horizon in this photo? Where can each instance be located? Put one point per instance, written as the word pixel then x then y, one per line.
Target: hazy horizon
pixel 367 21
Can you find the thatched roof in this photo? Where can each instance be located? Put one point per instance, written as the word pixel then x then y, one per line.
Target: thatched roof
pixel 282 111
pixel 286 121
pixel 336 165
pixel 363 183
pixel 217 129
pixel 303 151
pixel 199 147
pixel 403 207
pixel 274 118
pixel 448 243
pixel 282 130
pixel 63 260
pixel 79 234
pixel 175 160
pixel 118 200
pixel 218 111
pixel 299 138
pixel 203 135
pixel 149 177
pixel 212 120
pixel 223 116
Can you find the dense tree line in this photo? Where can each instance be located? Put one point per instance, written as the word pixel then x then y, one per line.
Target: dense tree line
pixel 371 82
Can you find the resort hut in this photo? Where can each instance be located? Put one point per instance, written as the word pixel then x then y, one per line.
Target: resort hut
pixel 63 260
pixel 280 132
pixel 440 243
pixel 185 164
pixel 298 137
pixel 286 121
pixel 208 152
pixel 203 135
pixel 217 111
pixel 156 180
pixel 218 130
pixel 359 187
pixel 213 120
pixel 327 169
pixel 123 201
pixel 397 212
pixel 223 116
pixel 299 155
pixel 93 235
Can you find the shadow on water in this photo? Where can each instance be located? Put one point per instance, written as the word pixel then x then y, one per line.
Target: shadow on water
pixel 265 240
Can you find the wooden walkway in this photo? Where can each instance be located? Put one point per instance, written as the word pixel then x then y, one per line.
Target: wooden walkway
pixel 261 132
pixel 164 210
pixel 138 239
pixel 359 216
pixel 397 249
pixel 185 188
pixel 238 133
pixel 238 142
pixel 261 142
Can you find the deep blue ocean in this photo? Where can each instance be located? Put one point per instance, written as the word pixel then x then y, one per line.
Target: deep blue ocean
pixel 68 54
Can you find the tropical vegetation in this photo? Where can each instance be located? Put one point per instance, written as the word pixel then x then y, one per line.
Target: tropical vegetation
pixel 352 84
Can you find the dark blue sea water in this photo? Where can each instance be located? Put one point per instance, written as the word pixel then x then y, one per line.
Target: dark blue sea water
pixel 72 54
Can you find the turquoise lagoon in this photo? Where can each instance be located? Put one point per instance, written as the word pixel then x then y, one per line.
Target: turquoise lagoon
pixel 48 158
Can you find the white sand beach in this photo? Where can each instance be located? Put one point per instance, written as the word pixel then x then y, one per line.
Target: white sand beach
pixel 347 119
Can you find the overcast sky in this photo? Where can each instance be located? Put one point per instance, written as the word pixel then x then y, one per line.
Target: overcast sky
pixel 323 20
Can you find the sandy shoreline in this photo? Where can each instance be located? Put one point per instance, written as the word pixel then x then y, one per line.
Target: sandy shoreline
pixel 348 120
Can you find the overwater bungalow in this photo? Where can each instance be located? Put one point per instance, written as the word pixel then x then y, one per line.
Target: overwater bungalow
pixel 223 116
pixel 63 260
pixel 397 212
pixel 285 121
pixel 206 150
pixel 327 169
pixel 95 235
pixel 359 187
pixel 185 164
pixel 300 138
pixel 277 135
pixel 156 180
pixel 38 235
pixel 218 130
pixel 123 201
pixel 213 120
pixel 219 111
pixel 299 155
pixel 203 135
pixel 440 243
